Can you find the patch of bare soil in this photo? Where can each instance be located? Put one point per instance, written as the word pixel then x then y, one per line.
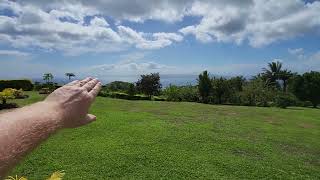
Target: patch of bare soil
pixel 306 125
pixel 247 153
pixel 272 120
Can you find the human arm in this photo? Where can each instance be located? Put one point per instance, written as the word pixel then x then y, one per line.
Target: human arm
pixel 24 129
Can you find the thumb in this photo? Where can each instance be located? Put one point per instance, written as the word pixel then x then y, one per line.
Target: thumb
pixel 89 118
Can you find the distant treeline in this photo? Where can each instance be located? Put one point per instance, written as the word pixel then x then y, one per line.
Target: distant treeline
pixel 274 86
pixel 23 84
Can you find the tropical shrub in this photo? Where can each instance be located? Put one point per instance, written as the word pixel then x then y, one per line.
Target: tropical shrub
pixel 19 94
pixel 172 93
pixel 283 100
pixel 118 86
pixel 307 87
pixel 256 93
pixel 6 94
pixel 131 90
pixel 189 93
pixel 181 93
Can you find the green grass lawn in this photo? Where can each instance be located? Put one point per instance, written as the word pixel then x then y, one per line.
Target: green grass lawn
pixel 168 140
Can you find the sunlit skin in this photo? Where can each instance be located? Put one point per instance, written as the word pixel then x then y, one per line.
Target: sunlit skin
pixel 24 129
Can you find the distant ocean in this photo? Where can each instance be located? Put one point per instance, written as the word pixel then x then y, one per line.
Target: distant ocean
pixel 166 79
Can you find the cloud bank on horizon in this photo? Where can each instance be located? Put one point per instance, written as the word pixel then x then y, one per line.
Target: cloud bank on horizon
pixel 74 28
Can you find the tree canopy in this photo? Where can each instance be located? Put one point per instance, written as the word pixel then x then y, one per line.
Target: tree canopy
pixel 307 87
pixel 149 84
pixel 204 86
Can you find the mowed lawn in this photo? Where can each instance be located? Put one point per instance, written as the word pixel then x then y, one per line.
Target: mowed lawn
pixel 168 140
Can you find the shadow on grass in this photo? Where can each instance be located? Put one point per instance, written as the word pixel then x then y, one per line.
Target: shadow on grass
pixel 301 108
pixel 8 106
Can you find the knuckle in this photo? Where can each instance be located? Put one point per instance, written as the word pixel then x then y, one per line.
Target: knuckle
pixel 82 89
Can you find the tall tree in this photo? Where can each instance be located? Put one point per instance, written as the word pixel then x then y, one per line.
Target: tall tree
pixel 285 75
pixel 272 72
pixel 204 86
pixel 220 88
pixel 48 77
pixel 70 75
pixel 307 87
pixel 149 84
pixel 131 90
pixel 236 83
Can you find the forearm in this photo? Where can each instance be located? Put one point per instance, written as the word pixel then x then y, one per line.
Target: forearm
pixel 23 129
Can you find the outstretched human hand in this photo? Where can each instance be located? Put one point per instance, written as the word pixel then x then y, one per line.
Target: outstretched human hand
pixel 25 128
pixel 73 101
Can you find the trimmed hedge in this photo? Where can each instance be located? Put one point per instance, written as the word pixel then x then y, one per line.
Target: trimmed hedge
pixel 123 96
pixel 23 84
pixel 159 99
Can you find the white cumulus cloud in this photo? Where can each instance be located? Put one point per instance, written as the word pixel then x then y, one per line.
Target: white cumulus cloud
pixel 13 53
pixel 79 26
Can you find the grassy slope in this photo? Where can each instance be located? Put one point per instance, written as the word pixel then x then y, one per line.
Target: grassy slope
pixel 144 139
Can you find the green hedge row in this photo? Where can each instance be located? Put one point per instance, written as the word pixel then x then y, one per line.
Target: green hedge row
pixel 159 99
pixel 25 85
pixel 123 96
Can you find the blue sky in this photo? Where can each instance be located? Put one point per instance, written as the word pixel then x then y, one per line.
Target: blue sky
pixel 119 40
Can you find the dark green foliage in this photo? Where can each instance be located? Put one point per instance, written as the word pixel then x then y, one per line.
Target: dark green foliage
pixel 120 95
pixel 283 100
pixel 24 84
pixel 256 93
pixel 132 90
pixel 236 83
pixel 159 99
pixel 149 84
pixel 181 93
pixel 118 86
pixel 204 86
pixel 307 87
pixel 8 106
pixel 172 92
pixel 220 90
pixel 304 103
pixel 37 86
pixel 235 86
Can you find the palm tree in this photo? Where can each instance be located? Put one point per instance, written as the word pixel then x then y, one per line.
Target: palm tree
pixel 47 77
pixel 69 75
pixel 285 75
pixel 272 72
